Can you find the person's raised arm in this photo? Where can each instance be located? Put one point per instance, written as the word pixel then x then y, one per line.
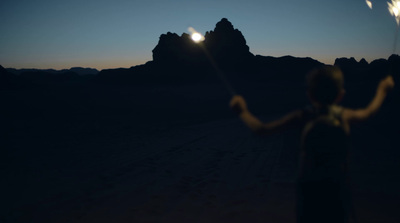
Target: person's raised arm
pixel 238 105
pixel 358 115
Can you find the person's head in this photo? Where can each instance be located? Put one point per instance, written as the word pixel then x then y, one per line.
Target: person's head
pixel 325 85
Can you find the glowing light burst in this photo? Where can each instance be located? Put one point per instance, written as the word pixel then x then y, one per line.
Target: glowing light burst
pixel 196 36
pixel 394 9
pixel 369 3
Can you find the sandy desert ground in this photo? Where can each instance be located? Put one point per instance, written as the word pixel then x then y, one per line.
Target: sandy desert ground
pixel 95 156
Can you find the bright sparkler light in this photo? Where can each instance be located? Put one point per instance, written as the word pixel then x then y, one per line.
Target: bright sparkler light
pixel 369 3
pixel 394 9
pixel 196 36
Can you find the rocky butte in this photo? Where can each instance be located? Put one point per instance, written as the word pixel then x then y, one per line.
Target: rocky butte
pixel 179 59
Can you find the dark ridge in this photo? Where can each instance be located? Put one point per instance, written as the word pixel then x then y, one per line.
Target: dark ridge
pixel 7 80
pixel 77 70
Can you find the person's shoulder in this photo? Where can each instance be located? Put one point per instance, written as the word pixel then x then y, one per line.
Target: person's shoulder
pixel 344 113
pixel 337 111
pixel 337 108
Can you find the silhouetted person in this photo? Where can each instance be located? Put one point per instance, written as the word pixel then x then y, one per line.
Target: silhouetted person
pixel 323 193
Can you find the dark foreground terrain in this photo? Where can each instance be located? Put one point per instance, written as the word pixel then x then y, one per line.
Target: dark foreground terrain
pixel 157 153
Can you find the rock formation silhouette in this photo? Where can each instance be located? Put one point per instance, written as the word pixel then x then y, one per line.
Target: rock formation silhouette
pixel 226 44
pixel 178 59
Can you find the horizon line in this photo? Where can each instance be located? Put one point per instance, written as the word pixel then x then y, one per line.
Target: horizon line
pixel 324 61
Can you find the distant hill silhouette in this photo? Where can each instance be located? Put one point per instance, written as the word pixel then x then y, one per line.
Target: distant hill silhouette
pixel 7 80
pixel 77 70
pixel 177 59
pixel 351 63
pixel 49 76
pixel 362 71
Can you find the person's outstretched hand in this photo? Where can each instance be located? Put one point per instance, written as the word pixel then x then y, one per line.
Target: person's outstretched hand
pixel 238 104
pixel 387 83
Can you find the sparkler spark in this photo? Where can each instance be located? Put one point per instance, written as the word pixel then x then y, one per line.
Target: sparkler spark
pixel 394 9
pixel 369 3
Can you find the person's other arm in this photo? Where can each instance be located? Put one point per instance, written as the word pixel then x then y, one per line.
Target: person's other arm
pixel 358 115
pixel 238 105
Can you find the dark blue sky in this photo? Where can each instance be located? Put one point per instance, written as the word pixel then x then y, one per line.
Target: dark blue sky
pixel 122 33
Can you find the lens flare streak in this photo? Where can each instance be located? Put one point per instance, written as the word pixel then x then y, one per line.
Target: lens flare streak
pixel 198 38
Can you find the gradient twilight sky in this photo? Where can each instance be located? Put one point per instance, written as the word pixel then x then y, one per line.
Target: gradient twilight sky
pixel 122 33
